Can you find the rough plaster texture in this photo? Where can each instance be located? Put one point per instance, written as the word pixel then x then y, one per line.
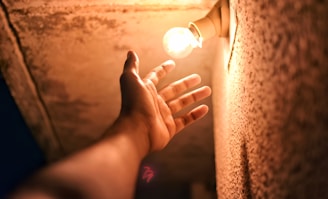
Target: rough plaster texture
pixel 22 87
pixel 270 107
pixel 62 61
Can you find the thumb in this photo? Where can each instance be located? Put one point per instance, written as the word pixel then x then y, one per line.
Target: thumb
pixel 132 63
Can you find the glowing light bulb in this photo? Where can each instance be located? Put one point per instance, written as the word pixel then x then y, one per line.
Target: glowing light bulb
pixel 178 42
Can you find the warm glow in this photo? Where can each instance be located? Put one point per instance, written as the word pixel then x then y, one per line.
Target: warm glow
pixel 179 42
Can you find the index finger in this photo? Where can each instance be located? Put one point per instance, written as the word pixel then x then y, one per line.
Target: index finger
pixel 160 71
pixel 176 88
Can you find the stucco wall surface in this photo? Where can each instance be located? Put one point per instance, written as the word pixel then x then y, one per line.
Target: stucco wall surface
pixel 62 61
pixel 270 107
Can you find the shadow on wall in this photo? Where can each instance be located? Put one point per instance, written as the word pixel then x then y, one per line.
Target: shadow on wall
pixel 19 154
pixel 66 65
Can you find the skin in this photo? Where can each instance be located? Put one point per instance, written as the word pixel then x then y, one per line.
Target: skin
pixel 108 169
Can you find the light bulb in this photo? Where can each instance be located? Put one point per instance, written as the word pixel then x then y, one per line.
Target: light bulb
pixel 178 42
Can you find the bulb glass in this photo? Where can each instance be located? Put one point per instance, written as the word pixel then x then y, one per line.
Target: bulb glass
pixel 179 42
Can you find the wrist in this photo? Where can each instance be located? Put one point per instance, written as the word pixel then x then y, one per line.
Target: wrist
pixel 134 130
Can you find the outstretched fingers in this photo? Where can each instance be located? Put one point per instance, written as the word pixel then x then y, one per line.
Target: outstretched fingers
pixel 176 88
pixel 189 118
pixel 160 71
pixel 188 99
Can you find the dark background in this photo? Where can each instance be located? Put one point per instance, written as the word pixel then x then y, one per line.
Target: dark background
pixel 20 155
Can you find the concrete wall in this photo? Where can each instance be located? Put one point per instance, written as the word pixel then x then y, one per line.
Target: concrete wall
pixel 270 107
pixel 62 61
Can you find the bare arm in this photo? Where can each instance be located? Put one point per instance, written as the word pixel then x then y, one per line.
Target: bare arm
pixel 108 169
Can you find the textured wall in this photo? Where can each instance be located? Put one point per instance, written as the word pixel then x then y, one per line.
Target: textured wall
pixel 62 61
pixel 271 115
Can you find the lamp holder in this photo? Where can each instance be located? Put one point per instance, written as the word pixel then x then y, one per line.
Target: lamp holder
pixel 215 23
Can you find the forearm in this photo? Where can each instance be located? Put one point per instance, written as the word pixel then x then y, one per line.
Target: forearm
pixel 108 169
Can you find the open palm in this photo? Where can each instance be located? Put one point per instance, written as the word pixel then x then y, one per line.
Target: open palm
pixel 156 109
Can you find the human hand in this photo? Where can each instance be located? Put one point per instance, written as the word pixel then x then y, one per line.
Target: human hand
pixel 154 109
pixel 146 123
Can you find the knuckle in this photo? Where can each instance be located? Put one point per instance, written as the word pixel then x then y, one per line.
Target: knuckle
pixel 173 107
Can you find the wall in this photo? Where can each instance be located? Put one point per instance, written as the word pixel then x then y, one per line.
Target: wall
pixel 271 116
pixel 62 61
